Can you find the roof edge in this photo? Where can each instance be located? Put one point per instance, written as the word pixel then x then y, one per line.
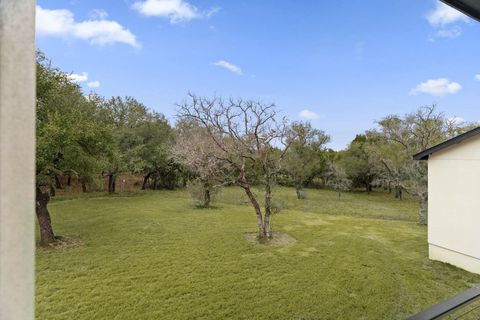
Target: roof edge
pixel 464 7
pixel 425 154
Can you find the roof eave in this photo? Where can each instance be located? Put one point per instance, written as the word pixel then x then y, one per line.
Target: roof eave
pixel 468 7
pixel 420 156
pixel 425 154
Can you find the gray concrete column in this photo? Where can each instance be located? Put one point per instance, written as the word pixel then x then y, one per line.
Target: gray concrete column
pixel 17 158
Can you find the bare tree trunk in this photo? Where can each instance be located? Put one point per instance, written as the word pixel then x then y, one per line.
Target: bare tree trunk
pixel 258 211
pixel 155 182
pixel 184 181
pixel 111 182
pixel 206 197
pixel 84 186
pixel 423 209
pixel 268 208
pixel 398 193
pixel 300 192
pixel 58 184
pixel 69 180
pixel 45 223
pixel 206 193
pixel 368 187
pixel 145 181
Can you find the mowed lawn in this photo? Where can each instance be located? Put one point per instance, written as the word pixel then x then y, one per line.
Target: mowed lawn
pixel 156 256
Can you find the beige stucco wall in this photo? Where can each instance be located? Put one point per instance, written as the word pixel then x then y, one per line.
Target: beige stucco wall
pixel 17 158
pixel 454 205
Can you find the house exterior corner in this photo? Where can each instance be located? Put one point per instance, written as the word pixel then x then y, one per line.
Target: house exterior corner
pixel 454 205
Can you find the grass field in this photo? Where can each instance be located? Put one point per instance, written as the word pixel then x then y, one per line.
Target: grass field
pixel 155 256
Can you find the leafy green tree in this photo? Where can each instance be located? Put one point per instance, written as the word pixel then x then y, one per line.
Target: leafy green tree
pixel 70 137
pixel 359 163
pixel 143 139
pixel 125 115
pixel 155 137
pixel 305 158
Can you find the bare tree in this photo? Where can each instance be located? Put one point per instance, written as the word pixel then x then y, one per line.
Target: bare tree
pixel 389 165
pixel 194 149
pixel 409 135
pixel 250 139
pixel 339 180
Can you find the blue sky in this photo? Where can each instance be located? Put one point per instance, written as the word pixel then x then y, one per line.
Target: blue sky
pixel 340 64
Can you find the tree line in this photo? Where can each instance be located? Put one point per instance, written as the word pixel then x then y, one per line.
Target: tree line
pixel 217 142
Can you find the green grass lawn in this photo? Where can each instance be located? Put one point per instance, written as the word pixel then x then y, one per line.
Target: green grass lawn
pixel 155 256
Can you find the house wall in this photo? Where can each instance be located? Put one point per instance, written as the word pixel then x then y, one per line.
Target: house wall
pixel 17 158
pixel 454 205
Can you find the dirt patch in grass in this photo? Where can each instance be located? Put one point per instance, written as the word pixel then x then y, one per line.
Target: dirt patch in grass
pixel 62 243
pixel 278 239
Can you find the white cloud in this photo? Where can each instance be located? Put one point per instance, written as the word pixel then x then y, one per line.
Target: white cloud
pixel 98 14
pixel 211 12
pixel 477 77
pixel 175 10
pixel 229 66
pixel 93 84
pixel 443 15
pixel 451 33
pixel 437 87
pixel 61 23
pixel 456 120
pixel 82 77
pixel 309 115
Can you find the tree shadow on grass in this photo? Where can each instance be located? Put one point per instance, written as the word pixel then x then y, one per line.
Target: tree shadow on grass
pixel 201 207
